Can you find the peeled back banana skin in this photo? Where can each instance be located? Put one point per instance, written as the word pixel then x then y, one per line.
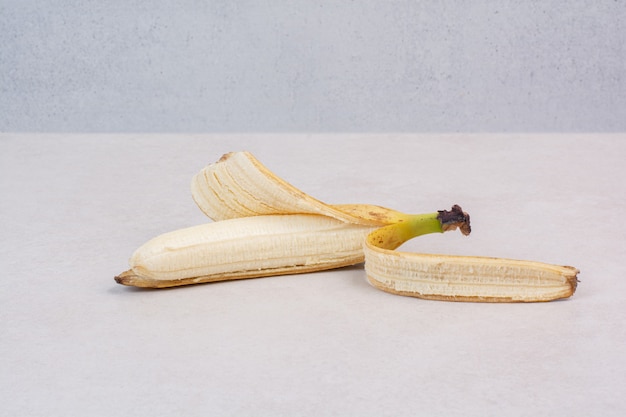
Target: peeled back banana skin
pixel 247 247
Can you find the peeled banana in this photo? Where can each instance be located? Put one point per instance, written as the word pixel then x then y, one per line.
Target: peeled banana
pixel 264 226
pixel 246 247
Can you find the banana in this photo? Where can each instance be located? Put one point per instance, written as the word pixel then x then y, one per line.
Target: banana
pixel 458 278
pixel 245 248
pixel 265 226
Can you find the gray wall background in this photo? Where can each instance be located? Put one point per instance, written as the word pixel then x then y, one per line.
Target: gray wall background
pixel 247 66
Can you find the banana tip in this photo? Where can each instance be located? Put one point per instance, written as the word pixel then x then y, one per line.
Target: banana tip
pixel 572 278
pixel 125 278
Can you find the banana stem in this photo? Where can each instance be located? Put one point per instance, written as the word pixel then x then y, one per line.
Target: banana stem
pixel 392 236
pixel 453 219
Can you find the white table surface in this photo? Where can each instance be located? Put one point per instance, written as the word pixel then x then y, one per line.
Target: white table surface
pixel 75 343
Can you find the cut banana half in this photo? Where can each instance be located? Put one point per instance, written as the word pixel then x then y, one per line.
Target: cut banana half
pixel 264 226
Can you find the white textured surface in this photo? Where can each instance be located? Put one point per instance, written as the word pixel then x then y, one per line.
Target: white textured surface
pixel 73 342
pixel 139 65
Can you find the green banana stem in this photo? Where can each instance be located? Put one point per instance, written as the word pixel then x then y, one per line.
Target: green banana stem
pixel 392 236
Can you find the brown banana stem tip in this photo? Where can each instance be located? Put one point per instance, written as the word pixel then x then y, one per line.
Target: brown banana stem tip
pixel 455 218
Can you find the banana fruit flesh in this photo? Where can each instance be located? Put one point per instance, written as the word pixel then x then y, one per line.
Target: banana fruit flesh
pixel 264 226
pixel 245 248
